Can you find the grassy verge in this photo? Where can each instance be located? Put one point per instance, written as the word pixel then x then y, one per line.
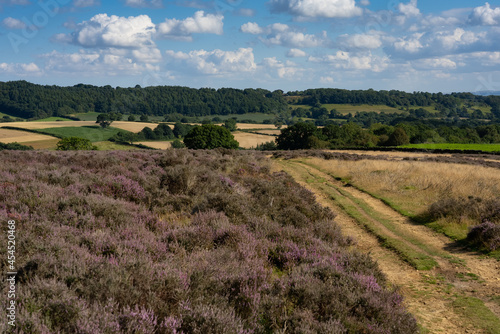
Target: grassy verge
pixel 474 309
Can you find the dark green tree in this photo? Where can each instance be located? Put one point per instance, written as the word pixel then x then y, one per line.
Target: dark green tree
pixel 178 144
pixel 210 136
pixel 75 143
pixel 144 118
pixel 297 136
pixel 131 118
pixel 398 138
pixel 230 124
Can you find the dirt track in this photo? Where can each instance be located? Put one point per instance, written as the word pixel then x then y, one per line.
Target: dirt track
pixel 433 296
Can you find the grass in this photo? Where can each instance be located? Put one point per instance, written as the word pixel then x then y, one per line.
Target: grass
pixel 53 119
pixel 349 108
pixel 92 133
pixel 475 310
pixel 461 147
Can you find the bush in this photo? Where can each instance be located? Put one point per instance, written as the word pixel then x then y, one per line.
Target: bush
pixel 75 144
pixel 485 236
pixel 210 136
pixel 178 144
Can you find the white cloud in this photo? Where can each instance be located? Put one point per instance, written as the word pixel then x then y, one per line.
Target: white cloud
pixel 295 53
pixel 364 2
pixel 485 15
pixel 12 23
pixel 457 38
pixel 111 62
pixel 368 41
pixel 435 63
pixel 115 31
pixel 86 3
pixel 409 9
pixel 410 44
pixel 199 23
pixel 20 69
pixel 215 62
pixel 251 28
pixel 317 8
pixel 284 70
pixel 326 80
pixel 349 61
pixel 144 3
pixel 147 55
pixel 284 35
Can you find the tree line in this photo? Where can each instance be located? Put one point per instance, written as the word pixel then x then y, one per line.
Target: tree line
pixel 32 101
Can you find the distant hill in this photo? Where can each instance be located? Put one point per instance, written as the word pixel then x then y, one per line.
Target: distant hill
pixel 488 92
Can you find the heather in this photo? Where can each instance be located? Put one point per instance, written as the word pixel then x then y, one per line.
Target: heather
pixel 182 242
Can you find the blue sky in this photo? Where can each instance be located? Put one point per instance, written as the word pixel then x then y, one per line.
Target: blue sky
pixel 413 45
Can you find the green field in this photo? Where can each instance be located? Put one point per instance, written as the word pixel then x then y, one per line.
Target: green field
pixel 92 133
pixel 110 146
pixel 463 147
pixel 350 108
pixel 53 119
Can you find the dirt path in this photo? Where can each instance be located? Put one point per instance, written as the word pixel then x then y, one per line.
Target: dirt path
pixel 452 297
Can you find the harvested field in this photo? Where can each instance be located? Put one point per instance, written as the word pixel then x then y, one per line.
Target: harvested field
pixel 12 136
pixel 251 140
pixel 160 145
pixel 270 132
pixel 128 126
pixel 246 126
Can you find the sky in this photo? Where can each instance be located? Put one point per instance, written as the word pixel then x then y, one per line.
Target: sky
pixel 410 45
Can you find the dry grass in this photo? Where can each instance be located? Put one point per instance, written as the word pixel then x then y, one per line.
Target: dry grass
pixel 270 132
pixel 129 126
pixel 161 145
pixel 251 140
pixel 11 136
pixel 414 185
pixel 392 154
pixel 134 126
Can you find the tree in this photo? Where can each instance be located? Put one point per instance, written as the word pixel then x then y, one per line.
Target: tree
pixel 131 118
pixel 398 138
pixel 144 118
pixel 74 144
pixel 230 124
pixel 210 136
pixel 296 137
pixel 178 144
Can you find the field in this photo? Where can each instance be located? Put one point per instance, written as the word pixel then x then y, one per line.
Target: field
pixel 53 119
pixel 93 133
pixel 251 140
pixel 379 200
pixel 128 126
pixel 462 147
pixel 37 141
pixel 182 241
pixel 160 145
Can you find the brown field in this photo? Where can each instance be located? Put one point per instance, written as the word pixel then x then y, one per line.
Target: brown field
pixel 161 145
pixel 129 126
pixel 12 136
pixel 269 132
pixel 251 140
pixel 391 154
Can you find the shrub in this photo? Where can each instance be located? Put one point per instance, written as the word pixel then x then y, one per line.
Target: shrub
pixel 178 144
pixel 75 144
pixel 485 236
pixel 210 136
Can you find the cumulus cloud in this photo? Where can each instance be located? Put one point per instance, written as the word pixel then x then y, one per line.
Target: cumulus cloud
pixel 115 31
pixel 20 68
pixel 199 24
pixel 316 8
pixel 86 3
pixel 215 62
pixel 144 3
pixel 109 62
pixel 435 63
pixel 251 28
pixel 350 61
pixel 284 70
pixel 12 23
pixel 409 9
pixel 368 41
pixel 284 35
pixel 295 53
pixel 485 15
